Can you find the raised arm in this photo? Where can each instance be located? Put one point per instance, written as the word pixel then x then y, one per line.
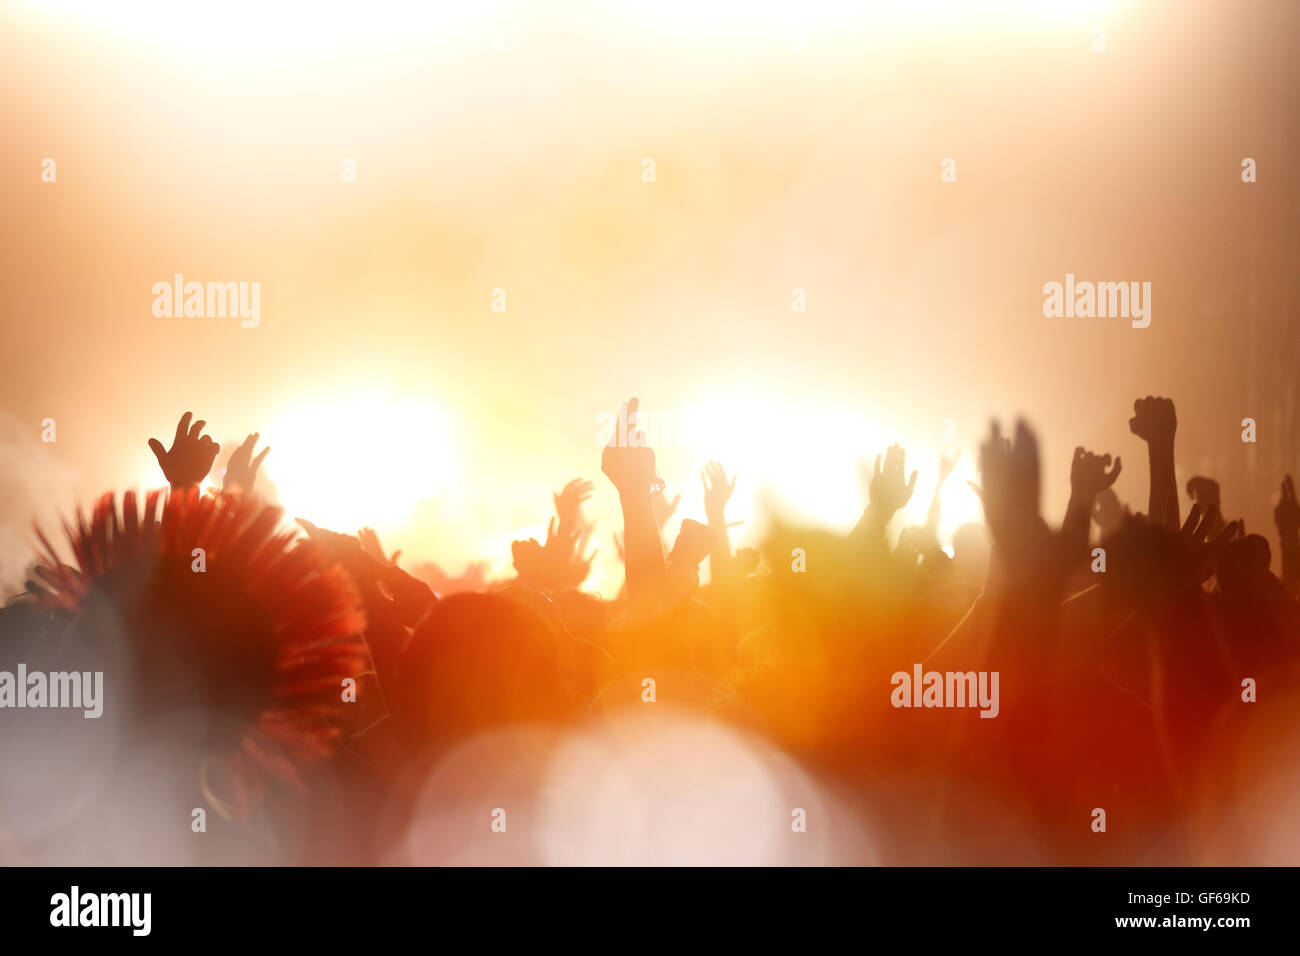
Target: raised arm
pixel 1089 477
pixel 1205 492
pixel 1287 518
pixel 190 458
pixel 631 469
pixel 1154 422
pixel 887 492
pixel 241 470
pixel 717 492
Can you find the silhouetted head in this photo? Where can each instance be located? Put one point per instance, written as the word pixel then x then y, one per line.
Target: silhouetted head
pixel 214 615
pixel 1244 560
pixel 479 661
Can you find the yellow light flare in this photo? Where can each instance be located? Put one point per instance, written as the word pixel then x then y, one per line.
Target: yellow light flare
pixel 364 457
pixel 800 452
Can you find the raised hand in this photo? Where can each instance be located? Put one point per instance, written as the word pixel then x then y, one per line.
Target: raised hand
pixel 717 490
pixel 1089 475
pixel 190 458
pixel 1154 422
pixel 1205 492
pixel 1286 516
pixel 1205 538
pixel 1196 529
pixel 343 548
pixel 380 580
pixel 371 546
pixel 630 466
pixel 1157 566
pixel 1153 419
pixel 1031 559
pixel 555 565
pixel 568 503
pixel 333 540
pixel 888 491
pixel 241 470
pixel 1009 473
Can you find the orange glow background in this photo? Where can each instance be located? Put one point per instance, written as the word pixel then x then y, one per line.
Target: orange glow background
pixel 796 146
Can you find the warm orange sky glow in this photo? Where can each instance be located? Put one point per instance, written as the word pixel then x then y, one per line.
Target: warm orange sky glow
pixel 964 338
pixel 796 146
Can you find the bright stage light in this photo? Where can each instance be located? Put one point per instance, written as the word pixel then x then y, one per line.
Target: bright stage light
pixel 804 455
pixel 800 452
pixel 359 458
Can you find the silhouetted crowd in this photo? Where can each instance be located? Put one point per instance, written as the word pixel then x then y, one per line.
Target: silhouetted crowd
pixel 285 694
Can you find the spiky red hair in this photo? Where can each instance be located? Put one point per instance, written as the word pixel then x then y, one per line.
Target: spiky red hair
pixel 266 634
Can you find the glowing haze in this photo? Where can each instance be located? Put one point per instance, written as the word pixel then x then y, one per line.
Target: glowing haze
pixel 795 146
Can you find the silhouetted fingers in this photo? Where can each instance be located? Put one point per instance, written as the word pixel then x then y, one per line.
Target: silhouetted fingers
pixel 1026 441
pixel 893 459
pixel 1229 532
pixel 1114 471
pixel 1207 522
